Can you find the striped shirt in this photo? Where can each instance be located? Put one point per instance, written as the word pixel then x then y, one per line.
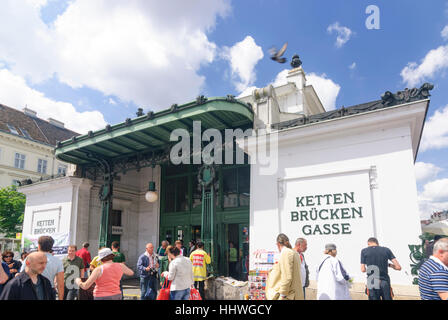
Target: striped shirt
pixel 433 278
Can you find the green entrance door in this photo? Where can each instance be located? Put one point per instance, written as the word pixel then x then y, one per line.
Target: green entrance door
pixel 220 218
pixel 238 235
pixel 166 233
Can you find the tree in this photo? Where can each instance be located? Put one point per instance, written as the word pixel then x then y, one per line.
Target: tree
pixel 12 207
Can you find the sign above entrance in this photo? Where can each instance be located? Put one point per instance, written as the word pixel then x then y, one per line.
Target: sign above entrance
pixel 117 230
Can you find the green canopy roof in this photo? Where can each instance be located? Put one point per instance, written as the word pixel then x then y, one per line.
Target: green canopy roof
pixel 152 131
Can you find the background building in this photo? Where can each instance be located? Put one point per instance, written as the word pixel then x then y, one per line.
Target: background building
pixel 27 146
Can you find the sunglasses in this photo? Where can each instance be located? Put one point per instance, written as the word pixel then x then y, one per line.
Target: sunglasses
pixel 8 256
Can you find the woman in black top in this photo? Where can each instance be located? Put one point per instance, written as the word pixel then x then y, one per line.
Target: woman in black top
pixel 14 265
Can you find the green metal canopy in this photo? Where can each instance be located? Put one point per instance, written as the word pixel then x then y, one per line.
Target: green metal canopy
pixel 151 131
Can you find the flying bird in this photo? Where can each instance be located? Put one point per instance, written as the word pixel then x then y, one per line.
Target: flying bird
pixel 276 55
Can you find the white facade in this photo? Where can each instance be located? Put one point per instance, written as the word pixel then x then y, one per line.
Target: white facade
pixel 75 201
pixel 360 168
pixel 32 152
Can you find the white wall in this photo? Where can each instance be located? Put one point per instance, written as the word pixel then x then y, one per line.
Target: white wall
pixel 51 197
pixel 335 162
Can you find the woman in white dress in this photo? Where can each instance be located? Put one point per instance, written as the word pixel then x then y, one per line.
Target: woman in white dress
pixel 333 282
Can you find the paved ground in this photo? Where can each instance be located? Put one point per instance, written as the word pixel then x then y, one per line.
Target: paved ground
pixel 131 288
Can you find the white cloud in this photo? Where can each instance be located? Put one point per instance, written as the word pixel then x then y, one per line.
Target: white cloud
pixel 326 89
pixel 243 57
pixel 425 171
pixel 15 93
pixel 435 61
pixel 148 52
pixel 112 101
pixel 435 132
pixel 352 66
pixel 436 190
pixel 444 33
pixel 433 198
pixel 428 207
pixel 343 34
pixel 280 79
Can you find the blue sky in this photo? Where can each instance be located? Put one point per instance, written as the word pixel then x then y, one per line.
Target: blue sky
pixel 88 63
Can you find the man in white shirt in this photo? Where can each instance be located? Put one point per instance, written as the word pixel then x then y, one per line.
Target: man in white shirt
pixel 54 269
pixel 332 279
pixel 181 273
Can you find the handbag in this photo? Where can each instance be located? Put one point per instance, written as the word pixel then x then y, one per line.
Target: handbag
pixel 164 293
pixel 194 294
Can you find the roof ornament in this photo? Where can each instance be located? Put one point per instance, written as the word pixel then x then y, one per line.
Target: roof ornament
pixel 407 95
pixel 139 112
pixel 296 62
pixel 201 100
pixel 174 107
pixel 230 98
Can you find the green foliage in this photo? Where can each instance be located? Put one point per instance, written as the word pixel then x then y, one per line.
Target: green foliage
pixel 12 207
pixel 426 236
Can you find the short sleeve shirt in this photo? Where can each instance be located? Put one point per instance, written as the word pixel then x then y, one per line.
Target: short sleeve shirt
pixel 96 262
pixel 119 257
pixel 379 257
pixel 78 263
pixel 233 255
pixel 432 279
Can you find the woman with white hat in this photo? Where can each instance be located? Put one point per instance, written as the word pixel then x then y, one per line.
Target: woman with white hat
pixel 332 280
pixel 106 277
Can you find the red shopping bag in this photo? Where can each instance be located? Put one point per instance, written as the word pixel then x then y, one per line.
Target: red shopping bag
pixel 164 293
pixel 194 294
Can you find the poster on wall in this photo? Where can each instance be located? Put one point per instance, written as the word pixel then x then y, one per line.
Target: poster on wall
pixel 60 247
pixel 47 222
pixel 334 208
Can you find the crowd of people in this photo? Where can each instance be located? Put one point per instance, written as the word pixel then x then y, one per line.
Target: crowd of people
pixel 289 278
pixel 41 276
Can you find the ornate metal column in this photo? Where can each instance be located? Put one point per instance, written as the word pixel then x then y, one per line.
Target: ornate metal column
pixel 206 177
pixel 105 195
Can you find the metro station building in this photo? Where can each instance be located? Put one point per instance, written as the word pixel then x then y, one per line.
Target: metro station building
pixel 338 177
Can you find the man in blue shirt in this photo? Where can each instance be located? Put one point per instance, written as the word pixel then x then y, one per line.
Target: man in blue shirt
pixel 433 274
pixel 148 265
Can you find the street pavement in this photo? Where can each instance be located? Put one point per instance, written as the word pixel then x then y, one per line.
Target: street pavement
pixel 131 289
